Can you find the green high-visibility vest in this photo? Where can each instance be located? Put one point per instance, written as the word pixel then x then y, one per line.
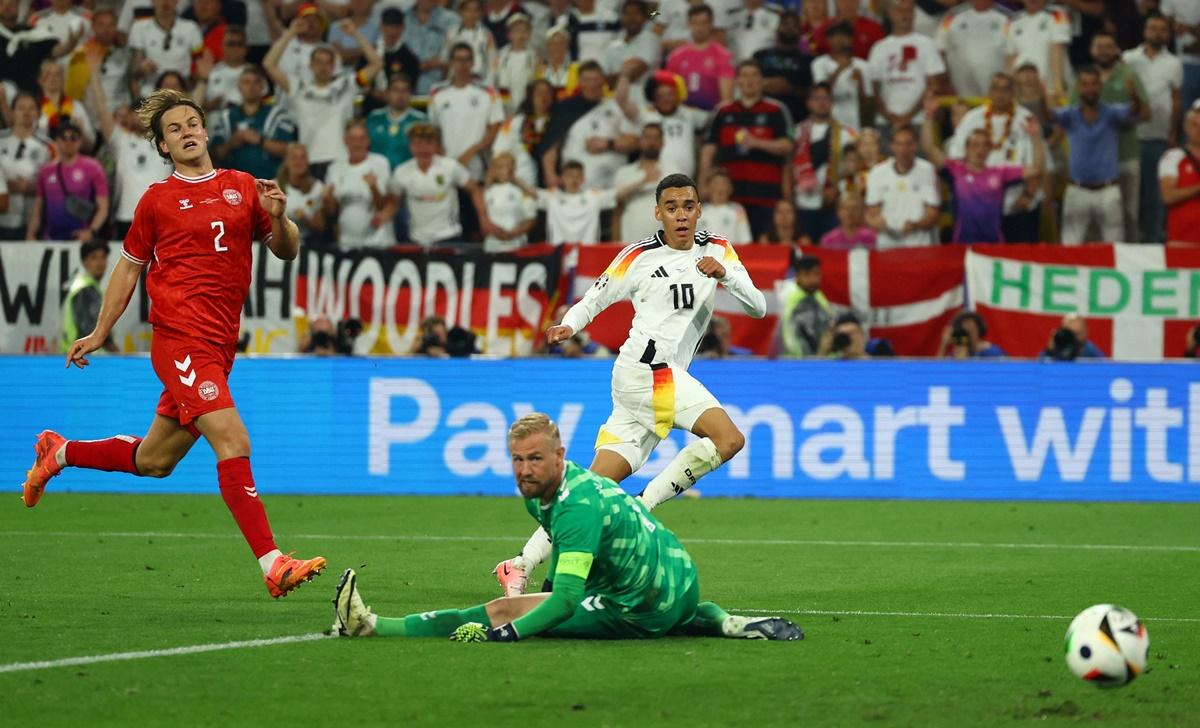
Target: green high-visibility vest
pixel 70 327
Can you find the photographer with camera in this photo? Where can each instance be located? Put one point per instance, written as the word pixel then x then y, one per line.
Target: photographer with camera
pixel 1070 342
pixel 846 339
pixel 964 338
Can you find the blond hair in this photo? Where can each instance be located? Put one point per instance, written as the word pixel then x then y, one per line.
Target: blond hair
pixel 152 108
pixel 492 171
pixel 534 424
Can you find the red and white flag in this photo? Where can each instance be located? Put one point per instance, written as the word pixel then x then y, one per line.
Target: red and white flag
pixel 906 296
pixel 1139 301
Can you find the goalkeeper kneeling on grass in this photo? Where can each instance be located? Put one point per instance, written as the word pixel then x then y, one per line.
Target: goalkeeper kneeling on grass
pixel 617 572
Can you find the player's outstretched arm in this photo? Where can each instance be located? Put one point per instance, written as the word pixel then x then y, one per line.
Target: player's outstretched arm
pixel 285 236
pixel 614 285
pixel 116 298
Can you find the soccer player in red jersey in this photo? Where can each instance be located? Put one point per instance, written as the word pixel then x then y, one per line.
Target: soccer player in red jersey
pixel 194 231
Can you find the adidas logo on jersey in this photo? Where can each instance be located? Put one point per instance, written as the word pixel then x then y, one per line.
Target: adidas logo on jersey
pixel 660 273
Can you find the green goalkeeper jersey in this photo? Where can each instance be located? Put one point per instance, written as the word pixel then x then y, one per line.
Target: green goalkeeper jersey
pixel 605 536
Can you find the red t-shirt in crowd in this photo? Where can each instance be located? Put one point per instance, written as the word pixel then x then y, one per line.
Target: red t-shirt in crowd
pixel 1183 219
pixel 866 34
pixel 196 235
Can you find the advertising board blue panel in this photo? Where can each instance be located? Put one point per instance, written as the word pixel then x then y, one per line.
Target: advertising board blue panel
pixel 894 429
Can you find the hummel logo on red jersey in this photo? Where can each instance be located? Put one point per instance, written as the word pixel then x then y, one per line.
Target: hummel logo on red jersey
pixel 185 204
pixel 660 273
pixel 183 366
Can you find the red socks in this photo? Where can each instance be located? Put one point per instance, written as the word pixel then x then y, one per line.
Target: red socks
pixel 116 454
pixel 237 488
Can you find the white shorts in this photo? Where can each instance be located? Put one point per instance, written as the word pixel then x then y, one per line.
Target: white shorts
pixel 647 404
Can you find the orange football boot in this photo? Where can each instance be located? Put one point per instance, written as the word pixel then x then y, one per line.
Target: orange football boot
pixel 44 467
pixel 287 573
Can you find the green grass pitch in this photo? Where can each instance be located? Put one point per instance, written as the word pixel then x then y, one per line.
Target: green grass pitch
pixel 916 614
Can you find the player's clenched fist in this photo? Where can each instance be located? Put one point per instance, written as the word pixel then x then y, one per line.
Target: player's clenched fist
pixel 710 267
pixel 558 334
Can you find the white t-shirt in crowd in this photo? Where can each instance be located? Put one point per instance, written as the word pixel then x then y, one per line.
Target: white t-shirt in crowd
pixel 62 25
pixel 509 207
pixel 223 84
pixel 903 198
pixel 508 139
pixel 753 30
pixel 321 113
pixel 902 65
pixel 846 101
pixel 645 45
pixel 812 199
pixel 138 167
pixel 637 210
pixel 431 197
pixel 1188 13
pixel 1030 37
pixel 464 114
pixel 672 16
pixel 21 159
pixel 130 9
pixel 356 204
pixel 483 47
pixel 308 203
pixel 679 137
pixel 294 62
pixel 512 71
pixel 171 50
pixel 604 120
pixel 1161 76
pixel 974 45
pixel 596 30
pixel 1011 144
pixel 574 217
pixel 114 77
pixel 728 220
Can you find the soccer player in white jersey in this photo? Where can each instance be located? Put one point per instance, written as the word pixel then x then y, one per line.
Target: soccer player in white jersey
pixel 671 277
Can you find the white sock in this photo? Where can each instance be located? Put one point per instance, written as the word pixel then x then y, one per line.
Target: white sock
pixel 691 464
pixel 60 456
pixel 268 559
pixel 536 550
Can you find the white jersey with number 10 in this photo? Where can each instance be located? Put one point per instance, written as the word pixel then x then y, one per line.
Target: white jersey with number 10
pixel 672 300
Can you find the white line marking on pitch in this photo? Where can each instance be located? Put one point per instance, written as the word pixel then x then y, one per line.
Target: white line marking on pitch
pixel 938 615
pixel 169 652
pixel 712 541
pixel 313 636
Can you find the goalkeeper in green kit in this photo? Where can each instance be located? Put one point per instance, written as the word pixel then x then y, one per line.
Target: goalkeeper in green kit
pixel 617 572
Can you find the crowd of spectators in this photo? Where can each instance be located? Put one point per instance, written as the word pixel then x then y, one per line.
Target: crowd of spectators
pixel 875 123
pixel 496 123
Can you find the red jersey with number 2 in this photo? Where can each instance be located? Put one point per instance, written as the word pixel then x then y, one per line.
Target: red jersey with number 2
pixel 196 233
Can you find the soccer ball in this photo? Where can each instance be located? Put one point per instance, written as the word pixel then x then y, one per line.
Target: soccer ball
pixel 1107 645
